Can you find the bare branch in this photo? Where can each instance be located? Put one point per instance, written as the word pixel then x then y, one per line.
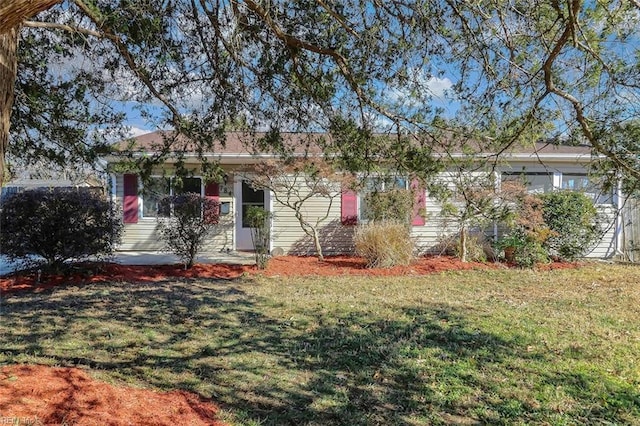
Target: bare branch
pixel 63 27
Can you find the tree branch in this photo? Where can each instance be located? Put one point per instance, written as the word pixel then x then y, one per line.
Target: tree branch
pixel 338 18
pixel 139 71
pixel 63 27
pixel 339 59
pixel 577 105
pixel 14 12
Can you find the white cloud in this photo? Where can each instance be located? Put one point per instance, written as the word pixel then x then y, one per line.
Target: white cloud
pixel 421 89
pixel 438 86
pixel 137 131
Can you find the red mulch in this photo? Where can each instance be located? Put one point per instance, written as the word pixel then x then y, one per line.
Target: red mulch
pixel 278 266
pixel 350 265
pixel 40 395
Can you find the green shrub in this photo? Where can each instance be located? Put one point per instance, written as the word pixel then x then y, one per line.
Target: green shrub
pixel 192 219
pixel 259 221
pixel 395 205
pixel 528 249
pixel 384 244
pixel 574 223
pixel 57 226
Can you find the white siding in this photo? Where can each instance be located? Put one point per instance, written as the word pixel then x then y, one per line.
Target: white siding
pixel 436 229
pixel 288 234
pixel 335 237
pixel 144 236
pixel 607 246
pixel 431 238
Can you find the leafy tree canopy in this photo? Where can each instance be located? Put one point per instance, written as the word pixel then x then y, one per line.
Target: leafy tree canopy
pixel 500 72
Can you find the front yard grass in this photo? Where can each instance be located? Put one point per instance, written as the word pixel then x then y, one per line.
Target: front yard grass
pixel 476 347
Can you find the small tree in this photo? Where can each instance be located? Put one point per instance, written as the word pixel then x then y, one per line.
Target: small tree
pixel 472 199
pixel 296 182
pixel 527 230
pixel 259 221
pixel 574 222
pixel 191 220
pixel 57 226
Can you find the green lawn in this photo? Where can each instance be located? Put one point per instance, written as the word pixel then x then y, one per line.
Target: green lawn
pixel 497 347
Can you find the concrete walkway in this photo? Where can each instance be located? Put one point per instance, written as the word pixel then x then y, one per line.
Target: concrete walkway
pixel 157 258
pixel 163 258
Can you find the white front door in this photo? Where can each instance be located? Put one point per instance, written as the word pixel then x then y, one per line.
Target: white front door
pixel 245 197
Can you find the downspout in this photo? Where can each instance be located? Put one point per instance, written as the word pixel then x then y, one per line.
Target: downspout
pixel 619 249
pixel 112 192
pixel 271 220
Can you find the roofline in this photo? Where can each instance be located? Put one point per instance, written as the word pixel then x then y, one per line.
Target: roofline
pixel 248 158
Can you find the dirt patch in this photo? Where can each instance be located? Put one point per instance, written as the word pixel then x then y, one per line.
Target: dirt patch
pixel 40 395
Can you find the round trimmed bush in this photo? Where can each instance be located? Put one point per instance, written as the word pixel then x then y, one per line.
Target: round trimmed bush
pixel 57 226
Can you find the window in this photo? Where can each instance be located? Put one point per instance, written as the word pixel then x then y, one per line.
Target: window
pixel 8 191
pixel 535 182
pixel 187 185
pixel 373 185
pixel 154 191
pixel 159 187
pixel 581 182
pixel 250 197
pixel 541 182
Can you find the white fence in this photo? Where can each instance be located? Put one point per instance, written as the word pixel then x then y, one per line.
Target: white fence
pixel 630 216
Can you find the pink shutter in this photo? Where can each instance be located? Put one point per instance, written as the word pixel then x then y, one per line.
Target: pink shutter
pixel 130 198
pixel 212 193
pixel 349 207
pixel 419 203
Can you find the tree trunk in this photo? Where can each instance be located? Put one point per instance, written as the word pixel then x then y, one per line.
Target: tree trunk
pixel 316 241
pixel 13 12
pixel 8 68
pixel 463 243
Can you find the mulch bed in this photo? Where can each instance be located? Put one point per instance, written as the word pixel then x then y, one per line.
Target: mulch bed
pixel 42 395
pixel 279 266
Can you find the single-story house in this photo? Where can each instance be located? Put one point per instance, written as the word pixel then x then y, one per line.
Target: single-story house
pixel 545 167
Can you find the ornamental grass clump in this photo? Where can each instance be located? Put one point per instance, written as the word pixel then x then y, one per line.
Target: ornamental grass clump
pixel 384 244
